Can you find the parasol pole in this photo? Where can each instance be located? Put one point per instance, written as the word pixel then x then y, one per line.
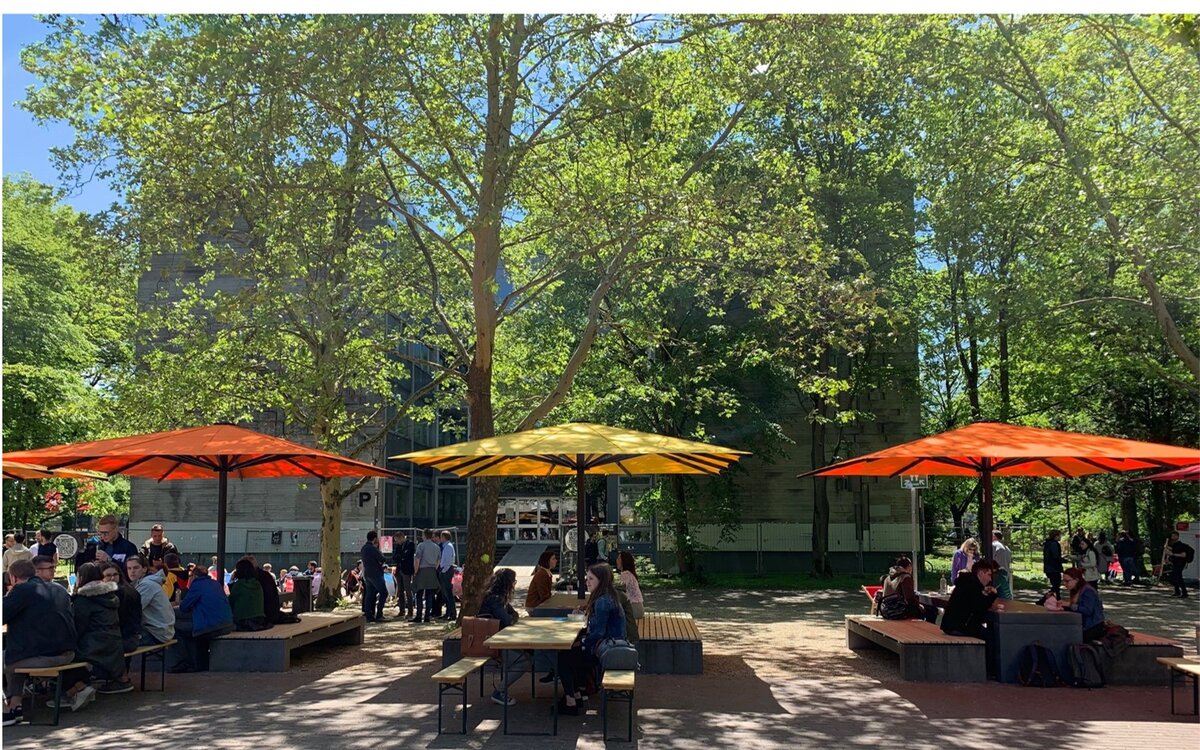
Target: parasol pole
pixel 222 498
pixel 985 509
pixel 580 508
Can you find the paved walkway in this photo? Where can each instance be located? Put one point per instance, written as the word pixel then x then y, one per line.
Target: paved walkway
pixel 777 675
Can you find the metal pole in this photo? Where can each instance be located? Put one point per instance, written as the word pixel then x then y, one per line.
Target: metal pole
pixel 985 510
pixel 580 508
pixel 1067 496
pixel 916 534
pixel 222 504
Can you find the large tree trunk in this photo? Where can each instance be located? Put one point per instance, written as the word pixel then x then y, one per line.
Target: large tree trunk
pixel 331 543
pixel 1129 519
pixel 685 551
pixel 820 517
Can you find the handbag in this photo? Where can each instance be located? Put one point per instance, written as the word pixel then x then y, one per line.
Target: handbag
pixel 476 630
pixel 617 654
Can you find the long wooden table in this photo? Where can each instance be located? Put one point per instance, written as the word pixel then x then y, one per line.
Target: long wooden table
pixel 532 634
pixel 559 604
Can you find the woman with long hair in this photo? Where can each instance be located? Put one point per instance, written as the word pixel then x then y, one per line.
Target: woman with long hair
pixel 964 559
pixel 1089 560
pixel 1085 600
pixel 629 582
pixel 541 586
pixel 98 628
pixel 497 605
pixel 605 619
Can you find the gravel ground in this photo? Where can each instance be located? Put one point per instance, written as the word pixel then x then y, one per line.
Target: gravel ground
pixel 776 674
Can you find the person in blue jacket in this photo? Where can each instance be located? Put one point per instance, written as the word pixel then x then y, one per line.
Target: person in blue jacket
pixel 211 617
pixel 1086 601
pixel 605 619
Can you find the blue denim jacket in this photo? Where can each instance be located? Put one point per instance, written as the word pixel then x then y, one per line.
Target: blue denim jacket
pixel 606 621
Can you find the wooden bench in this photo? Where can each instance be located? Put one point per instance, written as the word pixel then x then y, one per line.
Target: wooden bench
pixel 670 643
pixel 453 679
pixel 617 686
pixel 158 651
pixel 44 675
pixel 271 650
pixel 1138 663
pixel 926 653
pixel 1187 668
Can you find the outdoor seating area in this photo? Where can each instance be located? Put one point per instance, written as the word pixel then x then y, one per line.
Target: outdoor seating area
pixel 926 653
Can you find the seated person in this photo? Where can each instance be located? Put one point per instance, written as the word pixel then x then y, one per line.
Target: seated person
pixel 1085 600
pixel 497 604
pixel 246 598
pixel 606 620
pixel 629 582
pixel 41 633
pixel 899 583
pixel 540 586
pixel 973 595
pixel 98 629
pixel 176 579
pixel 129 610
pixel 272 607
pixel 158 617
pixel 211 617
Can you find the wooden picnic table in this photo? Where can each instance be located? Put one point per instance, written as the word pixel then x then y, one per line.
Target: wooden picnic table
pixel 559 604
pixel 530 634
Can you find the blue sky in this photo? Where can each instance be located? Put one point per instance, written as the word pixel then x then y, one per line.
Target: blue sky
pixel 27 145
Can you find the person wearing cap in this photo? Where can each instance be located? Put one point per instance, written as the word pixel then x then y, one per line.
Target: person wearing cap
pixel 157 547
pixel 973 595
pixel 1085 600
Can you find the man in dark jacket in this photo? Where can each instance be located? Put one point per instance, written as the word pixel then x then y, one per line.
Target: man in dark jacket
pixel 1127 556
pixel 157 547
pixel 973 596
pixel 403 552
pixel 1179 554
pixel 41 630
pixel 272 607
pixel 374 587
pixel 1052 561
pixel 116 547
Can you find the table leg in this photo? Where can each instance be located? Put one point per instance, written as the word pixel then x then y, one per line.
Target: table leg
pixel 1172 692
pixel 504 681
pixel 554 708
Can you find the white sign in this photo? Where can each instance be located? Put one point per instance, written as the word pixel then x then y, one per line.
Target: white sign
pixel 914 482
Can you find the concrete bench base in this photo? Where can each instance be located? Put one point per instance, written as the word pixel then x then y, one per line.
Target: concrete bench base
pixel 271 650
pixel 926 654
pixel 1138 665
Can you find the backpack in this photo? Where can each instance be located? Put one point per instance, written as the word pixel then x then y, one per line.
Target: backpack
pixel 1115 640
pixel 1037 666
pixel 893 607
pixel 1189 552
pixel 617 654
pixel 1083 662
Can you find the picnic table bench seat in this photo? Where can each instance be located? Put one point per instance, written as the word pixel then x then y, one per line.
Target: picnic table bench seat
pixel 1187 668
pixel 271 650
pixel 926 653
pixel 453 679
pixel 617 687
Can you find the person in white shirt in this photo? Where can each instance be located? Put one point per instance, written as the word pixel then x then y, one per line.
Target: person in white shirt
pixel 1003 557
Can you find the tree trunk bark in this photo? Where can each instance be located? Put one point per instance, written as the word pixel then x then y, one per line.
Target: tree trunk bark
pixel 331 543
pixel 685 551
pixel 481 536
pixel 820 518
pixel 1129 519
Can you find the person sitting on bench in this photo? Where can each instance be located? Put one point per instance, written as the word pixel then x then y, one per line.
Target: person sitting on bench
pixel 41 633
pixel 158 617
pixel 1085 600
pixel 899 583
pixel 973 595
pixel 129 609
pixel 272 607
pixel 246 598
pixel 497 604
pixel 98 629
pixel 211 617
pixel 605 619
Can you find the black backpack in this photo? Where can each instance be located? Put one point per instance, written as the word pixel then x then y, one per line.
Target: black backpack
pixel 1085 668
pixel 1037 666
pixel 1189 552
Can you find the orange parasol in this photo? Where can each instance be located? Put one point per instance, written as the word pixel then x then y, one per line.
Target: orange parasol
pixel 987 449
pixel 214 451
pixel 1187 473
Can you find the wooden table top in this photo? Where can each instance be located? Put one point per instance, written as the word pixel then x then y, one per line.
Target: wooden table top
pixel 537 633
pixel 562 600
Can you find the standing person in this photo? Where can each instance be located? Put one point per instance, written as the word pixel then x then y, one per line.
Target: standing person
pixel 1126 550
pixel 46 546
pixel 425 576
pixel 446 575
pixel 116 547
pixel 158 617
pixel 98 629
pixel 403 552
pixel 214 570
pixel 1077 546
pixel 1089 560
pixel 40 633
pixel 629 581
pixel 352 583
pixel 973 595
pixel 605 619
pixel 1179 553
pixel 964 559
pixel 1106 552
pixel 1052 561
pixel 374 587
pixel 14 549
pixel 591 550
pixel 211 617
pixel 1085 600
pixel 1003 557
pixel 157 547
pixel 541 586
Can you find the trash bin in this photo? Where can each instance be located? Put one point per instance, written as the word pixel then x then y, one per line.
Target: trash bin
pixel 301 594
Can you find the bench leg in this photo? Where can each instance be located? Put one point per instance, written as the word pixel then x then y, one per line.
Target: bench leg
pixel 143 660
pixel 57 696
